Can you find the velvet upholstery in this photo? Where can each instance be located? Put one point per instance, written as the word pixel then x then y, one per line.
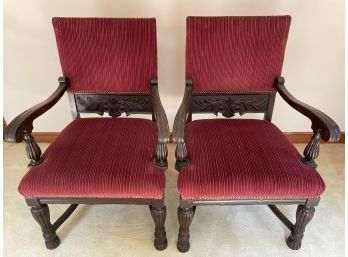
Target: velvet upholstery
pixel 99 158
pixel 241 158
pixel 235 54
pixel 107 54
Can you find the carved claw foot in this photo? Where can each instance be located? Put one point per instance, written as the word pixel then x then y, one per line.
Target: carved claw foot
pixel 52 242
pixel 294 244
pixel 161 244
pixel 183 244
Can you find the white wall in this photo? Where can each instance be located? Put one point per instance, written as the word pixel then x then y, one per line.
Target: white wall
pixel 313 68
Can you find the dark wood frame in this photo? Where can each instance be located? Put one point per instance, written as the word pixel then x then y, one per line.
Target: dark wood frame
pixel 324 128
pixel 115 104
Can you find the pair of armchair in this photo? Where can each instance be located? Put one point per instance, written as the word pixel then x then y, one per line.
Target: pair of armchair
pixel 233 65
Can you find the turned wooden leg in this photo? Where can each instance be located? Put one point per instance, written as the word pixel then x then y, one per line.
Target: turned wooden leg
pixel 42 216
pixel 303 216
pixel 159 216
pixel 185 216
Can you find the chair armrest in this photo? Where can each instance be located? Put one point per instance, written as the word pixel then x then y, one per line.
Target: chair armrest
pixel 183 114
pixel 181 118
pixel 329 130
pixel 23 123
pixel 160 115
pixel 162 128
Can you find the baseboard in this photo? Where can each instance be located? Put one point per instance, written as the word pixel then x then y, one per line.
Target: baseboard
pixel 294 137
pixel 304 137
pixel 45 137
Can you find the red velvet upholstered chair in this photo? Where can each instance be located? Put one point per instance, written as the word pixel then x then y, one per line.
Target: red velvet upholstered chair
pixel 233 65
pixel 109 66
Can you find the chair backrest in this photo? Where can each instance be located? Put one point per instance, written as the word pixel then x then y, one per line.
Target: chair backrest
pixel 235 54
pixel 107 55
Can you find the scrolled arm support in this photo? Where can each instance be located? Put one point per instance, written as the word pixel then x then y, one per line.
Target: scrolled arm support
pixel 23 123
pixel 162 127
pixel 21 127
pixel 180 121
pixel 322 125
pixel 329 130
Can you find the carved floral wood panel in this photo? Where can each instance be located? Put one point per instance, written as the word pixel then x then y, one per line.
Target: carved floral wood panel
pixel 228 105
pixel 115 105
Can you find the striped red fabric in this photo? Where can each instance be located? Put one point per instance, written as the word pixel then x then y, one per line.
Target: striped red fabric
pixel 235 54
pixel 99 157
pixel 107 54
pixel 244 159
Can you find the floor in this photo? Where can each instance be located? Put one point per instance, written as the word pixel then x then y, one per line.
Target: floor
pixel 120 230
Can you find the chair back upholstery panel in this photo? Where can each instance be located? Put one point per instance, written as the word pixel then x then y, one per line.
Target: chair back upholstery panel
pixel 107 55
pixel 235 54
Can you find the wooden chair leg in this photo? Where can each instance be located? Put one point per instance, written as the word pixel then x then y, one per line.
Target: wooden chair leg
pixel 41 214
pixel 185 216
pixel 159 216
pixel 303 216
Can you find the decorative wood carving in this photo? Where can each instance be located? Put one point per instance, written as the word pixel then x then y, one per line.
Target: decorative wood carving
pixel 181 156
pixel 161 155
pixel 159 216
pixel 311 152
pixel 303 216
pixel 185 217
pixel 32 149
pixel 42 216
pixel 228 105
pixel 113 104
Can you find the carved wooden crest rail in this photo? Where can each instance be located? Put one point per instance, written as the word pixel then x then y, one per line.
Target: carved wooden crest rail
pixel 228 105
pixel 113 104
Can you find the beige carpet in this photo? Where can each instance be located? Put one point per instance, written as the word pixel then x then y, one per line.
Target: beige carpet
pixel 121 230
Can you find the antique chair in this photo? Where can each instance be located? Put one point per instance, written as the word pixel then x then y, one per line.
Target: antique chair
pixel 109 66
pixel 233 65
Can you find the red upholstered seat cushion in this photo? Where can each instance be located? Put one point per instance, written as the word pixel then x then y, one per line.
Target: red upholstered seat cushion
pixel 99 157
pixel 244 159
pixel 235 54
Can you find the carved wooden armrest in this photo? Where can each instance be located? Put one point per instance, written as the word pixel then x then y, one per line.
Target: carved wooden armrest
pixel 21 127
pixel 162 127
pixel 181 118
pixel 322 125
